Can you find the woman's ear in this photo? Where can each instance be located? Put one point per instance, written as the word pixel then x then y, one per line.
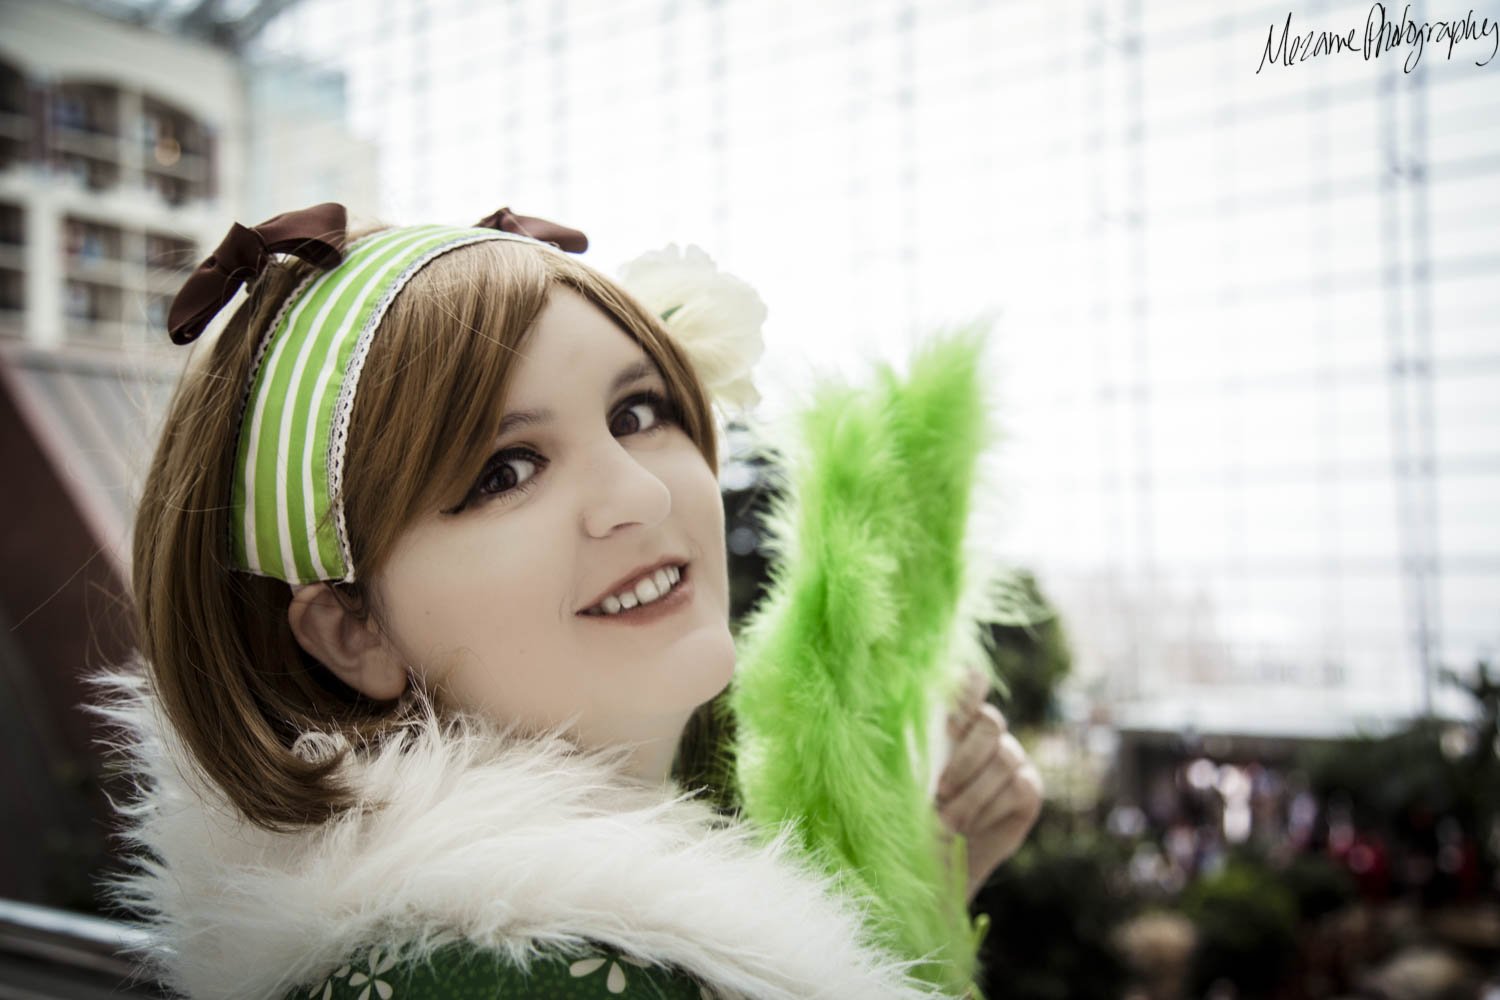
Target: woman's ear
pixel 349 645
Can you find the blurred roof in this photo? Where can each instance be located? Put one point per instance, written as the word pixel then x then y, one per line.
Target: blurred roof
pixel 1262 711
pixel 229 24
pixel 96 415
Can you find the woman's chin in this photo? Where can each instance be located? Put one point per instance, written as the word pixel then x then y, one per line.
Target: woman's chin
pixel 699 667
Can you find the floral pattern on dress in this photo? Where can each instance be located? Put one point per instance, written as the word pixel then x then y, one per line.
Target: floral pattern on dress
pixel 324 990
pixel 614 980
pixel 378 966
pixel 462 971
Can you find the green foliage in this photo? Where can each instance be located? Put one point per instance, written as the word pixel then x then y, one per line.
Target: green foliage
pixel 1317 884
pixel 1477 772
pixel 1382 777
pixel 1052 909
pixel 1247 928
pixel 1031 654
pixel 1386 778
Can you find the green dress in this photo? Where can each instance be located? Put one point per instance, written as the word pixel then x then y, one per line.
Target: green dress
pixel 465 972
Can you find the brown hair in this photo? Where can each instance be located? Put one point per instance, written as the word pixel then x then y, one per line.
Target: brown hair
pixel 230 676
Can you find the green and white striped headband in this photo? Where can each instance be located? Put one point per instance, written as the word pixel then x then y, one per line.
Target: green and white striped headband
pixel 286 516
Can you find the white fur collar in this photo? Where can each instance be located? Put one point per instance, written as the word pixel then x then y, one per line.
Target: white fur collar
pixel 512 845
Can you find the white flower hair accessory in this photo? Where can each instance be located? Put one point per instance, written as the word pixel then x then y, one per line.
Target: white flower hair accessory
pixel 713 315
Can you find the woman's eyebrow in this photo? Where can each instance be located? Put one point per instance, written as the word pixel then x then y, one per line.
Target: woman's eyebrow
pixel 642 369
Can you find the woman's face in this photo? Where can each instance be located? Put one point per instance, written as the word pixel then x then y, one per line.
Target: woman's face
pixel 493 601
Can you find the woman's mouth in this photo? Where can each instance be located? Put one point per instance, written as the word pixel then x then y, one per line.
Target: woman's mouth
pixel 647 601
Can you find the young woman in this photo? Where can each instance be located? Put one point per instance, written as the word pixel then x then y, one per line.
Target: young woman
pixel 431 578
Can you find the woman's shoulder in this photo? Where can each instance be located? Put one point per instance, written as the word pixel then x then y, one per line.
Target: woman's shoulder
pixel 462 971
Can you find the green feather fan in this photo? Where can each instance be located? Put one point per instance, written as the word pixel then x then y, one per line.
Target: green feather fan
pixel 847 667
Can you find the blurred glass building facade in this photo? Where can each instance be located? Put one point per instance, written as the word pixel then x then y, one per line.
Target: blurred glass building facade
pixel 1248 319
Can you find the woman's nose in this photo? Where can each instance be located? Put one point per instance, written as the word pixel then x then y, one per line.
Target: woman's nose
pixel 619 490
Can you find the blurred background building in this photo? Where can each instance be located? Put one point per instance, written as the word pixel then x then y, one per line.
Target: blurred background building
pixel 1247 317
pixel 121 151
pixel 125 152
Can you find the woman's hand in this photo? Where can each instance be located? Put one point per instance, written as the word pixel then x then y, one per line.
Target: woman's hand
pixel 989 791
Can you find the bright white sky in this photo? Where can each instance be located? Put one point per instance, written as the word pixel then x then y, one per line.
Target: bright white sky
pixel 1204 277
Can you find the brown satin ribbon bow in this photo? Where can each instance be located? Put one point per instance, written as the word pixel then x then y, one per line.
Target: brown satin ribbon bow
pixel 559 236
pixel 315 234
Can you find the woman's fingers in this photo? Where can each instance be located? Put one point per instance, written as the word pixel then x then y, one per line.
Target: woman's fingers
pixel 976 688
pixel 974 749
pixel 1020 795
pixel 971 693
pixel 1000 763
pixel 971 700
pixel 990 792
pixel 960 811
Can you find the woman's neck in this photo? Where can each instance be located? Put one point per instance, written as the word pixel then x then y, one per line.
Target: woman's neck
pixel 653 746
pixel 652 761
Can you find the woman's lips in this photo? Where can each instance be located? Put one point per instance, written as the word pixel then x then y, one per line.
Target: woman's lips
pixel 645 614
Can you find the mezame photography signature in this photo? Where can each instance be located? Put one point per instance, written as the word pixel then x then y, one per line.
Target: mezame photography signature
pixel 1380 35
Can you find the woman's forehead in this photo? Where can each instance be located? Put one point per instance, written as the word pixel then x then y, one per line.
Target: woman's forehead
pixel 574 348
pixel 632 373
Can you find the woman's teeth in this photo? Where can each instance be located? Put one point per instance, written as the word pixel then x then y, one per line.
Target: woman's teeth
pixel 650 588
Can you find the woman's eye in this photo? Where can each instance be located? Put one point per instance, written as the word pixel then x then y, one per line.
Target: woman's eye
pixel 511 473
pixel 658 412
